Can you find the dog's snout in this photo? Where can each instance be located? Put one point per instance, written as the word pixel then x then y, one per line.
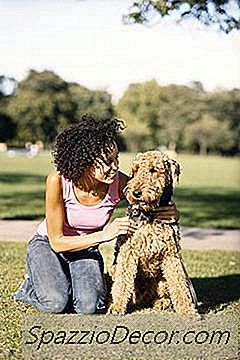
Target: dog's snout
pixel 137 193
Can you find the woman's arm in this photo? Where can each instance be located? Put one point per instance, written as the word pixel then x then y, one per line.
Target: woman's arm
pixel 55 222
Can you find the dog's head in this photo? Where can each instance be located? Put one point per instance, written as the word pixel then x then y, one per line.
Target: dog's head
pixel 153 176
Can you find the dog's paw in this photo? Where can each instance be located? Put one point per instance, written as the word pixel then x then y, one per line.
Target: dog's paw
pixel 195 315
pixel 116 310
pixel 192 314
pixel 162 304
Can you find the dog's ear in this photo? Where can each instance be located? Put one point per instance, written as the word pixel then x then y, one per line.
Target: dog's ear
pixel 175 170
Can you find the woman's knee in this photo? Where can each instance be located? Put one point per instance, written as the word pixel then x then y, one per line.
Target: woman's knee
pixel 85 305
pixel 56 304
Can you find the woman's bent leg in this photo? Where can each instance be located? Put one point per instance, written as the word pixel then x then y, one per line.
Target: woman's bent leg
pixel 47 286
pixel 88 285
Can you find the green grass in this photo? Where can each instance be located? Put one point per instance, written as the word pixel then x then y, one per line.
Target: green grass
pixel 22 185
pixel 214 274
pixel 207 196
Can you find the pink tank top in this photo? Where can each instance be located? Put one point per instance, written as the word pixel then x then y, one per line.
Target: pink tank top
pixel 81 219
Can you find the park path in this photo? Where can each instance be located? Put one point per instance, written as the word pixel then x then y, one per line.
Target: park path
pixel 193 238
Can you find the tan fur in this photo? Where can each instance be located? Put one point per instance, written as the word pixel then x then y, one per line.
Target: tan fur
pixel 148 268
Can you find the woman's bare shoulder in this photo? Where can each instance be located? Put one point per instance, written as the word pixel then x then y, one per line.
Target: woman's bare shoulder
pixel 54 178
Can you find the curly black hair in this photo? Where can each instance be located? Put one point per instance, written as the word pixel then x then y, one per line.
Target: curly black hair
pixel 77 147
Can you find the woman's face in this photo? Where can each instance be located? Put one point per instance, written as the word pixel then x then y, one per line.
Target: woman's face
pixel 106 167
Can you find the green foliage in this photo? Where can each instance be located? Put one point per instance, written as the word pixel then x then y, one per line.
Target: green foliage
pixel 7 128
pixel 225 106
pixel 41 106
pixel 7 125
pixel 208 12
pixel 97 102
pixel 175 115
pixel 208 133
pixel 182 107
pixel 139 108
pixel 44 104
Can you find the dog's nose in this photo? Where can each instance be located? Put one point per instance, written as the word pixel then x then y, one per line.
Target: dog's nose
pixel 137 193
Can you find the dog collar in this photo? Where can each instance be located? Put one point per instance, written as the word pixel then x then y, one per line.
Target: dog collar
pixel 137 213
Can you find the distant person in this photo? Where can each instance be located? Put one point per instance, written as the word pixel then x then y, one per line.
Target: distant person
pixel 33 151
pixel 28 146
pixel 64 265
pixel 40 145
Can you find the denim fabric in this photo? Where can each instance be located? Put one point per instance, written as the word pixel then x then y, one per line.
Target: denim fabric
pixel 62 282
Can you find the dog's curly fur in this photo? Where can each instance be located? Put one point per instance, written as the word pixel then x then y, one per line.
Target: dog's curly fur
pixel 148 269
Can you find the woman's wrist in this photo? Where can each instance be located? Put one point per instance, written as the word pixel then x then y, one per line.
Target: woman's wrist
pixel 104 236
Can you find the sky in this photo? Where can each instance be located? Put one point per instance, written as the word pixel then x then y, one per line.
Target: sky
pixel 85 41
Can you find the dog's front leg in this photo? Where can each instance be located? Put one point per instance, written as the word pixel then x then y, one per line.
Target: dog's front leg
pixel 124 278
pixel 178 285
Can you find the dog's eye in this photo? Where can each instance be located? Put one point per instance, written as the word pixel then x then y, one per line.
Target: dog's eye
pixel 153 170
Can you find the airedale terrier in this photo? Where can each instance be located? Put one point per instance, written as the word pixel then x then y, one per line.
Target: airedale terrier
pixel 148 269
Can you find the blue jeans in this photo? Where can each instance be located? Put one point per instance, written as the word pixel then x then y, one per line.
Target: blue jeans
pixel 62 282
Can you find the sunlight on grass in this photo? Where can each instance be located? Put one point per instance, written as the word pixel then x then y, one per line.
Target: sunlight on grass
pixel 214 275
pixel 207 196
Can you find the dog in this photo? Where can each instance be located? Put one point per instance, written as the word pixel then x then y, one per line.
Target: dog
pixel 148 268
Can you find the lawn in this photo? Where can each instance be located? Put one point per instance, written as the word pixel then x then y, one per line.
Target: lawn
pixel 214 274
pixel 207 196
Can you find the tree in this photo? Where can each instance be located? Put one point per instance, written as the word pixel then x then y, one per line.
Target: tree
pixel 139 108
pixel 208 134
pixel 7 125
pixel 181 118
pixel 98 102
pixel 217 12
pixel 41 106
pixel 182 106
pixel 225 106
pixel 7 128
pixel 44 104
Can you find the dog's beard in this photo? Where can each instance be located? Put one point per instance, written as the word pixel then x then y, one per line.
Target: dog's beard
pixel 148 201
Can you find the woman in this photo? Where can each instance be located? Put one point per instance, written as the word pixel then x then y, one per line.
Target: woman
pixel 64 265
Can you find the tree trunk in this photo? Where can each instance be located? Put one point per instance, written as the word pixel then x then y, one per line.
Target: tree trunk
pixel 172 146
pixel 203 148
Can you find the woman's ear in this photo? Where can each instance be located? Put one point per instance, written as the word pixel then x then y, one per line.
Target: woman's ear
pixel 175 171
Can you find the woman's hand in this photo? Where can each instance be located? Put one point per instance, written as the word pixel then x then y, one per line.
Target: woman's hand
pixel 119 226
pixel 168 213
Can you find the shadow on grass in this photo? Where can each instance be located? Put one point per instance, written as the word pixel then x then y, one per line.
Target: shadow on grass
pixel 24 205
pixel 216 292
pixel 205 207
pixel 24 197
pixel 19 178
pixel 208 206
